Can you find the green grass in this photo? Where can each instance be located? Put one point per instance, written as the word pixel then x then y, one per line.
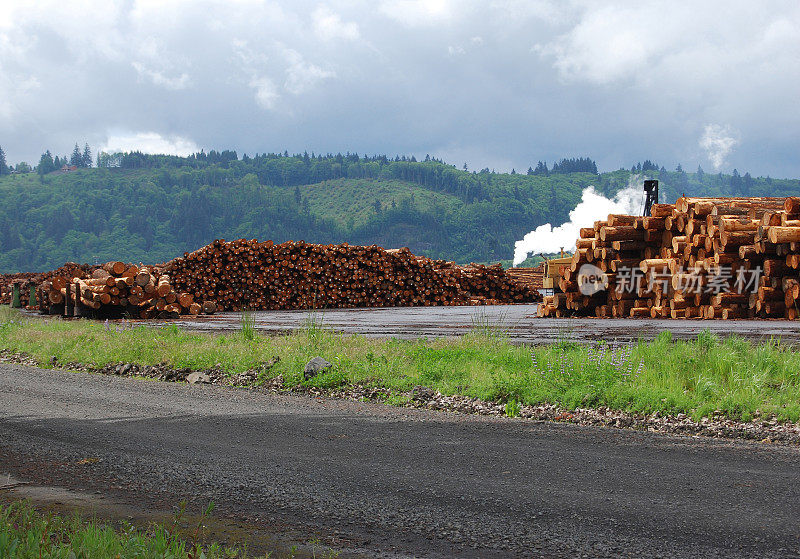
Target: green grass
pixel 26 533
pixel 736 377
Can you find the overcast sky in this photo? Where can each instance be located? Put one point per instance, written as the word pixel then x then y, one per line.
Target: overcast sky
pixel 496 83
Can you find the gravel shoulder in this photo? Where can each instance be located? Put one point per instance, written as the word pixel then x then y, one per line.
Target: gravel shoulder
pixel 397 481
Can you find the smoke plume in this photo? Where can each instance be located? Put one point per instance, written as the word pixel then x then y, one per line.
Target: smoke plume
pixel 718 141
pixel 593 206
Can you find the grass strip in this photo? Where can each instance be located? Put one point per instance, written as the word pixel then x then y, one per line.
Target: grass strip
pixel 736 377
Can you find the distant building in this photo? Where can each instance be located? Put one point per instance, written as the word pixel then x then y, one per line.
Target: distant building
pixel 68 168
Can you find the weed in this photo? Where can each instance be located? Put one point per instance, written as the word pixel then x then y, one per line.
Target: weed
pixel 513 408
pixel 490 327
pixel 313 329
pixel 247 321
pixel 706 340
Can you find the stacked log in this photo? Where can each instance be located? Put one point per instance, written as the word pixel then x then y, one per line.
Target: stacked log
pixel 27 279
pixel 113 289
pixel 530 278
pixel 248 274
pixel 699 258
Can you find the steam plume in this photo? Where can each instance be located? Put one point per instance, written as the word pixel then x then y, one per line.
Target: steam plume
pixel 593 206
pixel 718 141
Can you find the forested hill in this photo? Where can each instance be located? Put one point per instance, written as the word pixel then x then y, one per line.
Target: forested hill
pixel 138 207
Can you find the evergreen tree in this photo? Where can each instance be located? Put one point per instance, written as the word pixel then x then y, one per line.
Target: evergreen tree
pixel 4 170
pixel 530 170
pixel 747 184
pixel 46 164
pixel 86 159
pixel 700 173
pixel 77 157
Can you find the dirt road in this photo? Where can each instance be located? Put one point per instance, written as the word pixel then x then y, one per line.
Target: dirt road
pixel 401 482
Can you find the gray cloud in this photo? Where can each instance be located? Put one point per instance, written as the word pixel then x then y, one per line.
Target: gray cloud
pixel 499 84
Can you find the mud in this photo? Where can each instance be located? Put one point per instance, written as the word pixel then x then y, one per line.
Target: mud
pixel 119 511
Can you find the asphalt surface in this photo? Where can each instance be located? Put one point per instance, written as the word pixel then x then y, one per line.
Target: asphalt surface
pixel 403 482
pixel 519 323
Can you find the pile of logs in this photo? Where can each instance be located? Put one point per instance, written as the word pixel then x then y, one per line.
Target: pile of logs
pixel 699 258
pixel 24 280
pixel 115 289
pixel 530 278
pixel 248 274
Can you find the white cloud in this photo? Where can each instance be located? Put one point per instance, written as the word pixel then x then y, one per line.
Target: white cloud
pixel 609 43
pixel 329 25
pixel 172 83
pixel 301 75
pixel 266 92
pixel 414 13
pixel 668 42
pixel 718 142
pixel 149 142
pixel 453 51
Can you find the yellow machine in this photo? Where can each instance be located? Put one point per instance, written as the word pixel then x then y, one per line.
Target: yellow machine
pixel 553 271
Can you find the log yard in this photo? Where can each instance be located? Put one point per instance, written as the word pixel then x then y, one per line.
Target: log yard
pixel 399 279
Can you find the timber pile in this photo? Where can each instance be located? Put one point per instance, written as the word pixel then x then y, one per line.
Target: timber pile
pixel 530 278
pixel 700 258
pixel 8 280
pixel 247 274
pixel 115 288
pixel 26 279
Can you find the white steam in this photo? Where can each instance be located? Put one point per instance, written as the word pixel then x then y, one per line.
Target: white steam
pixel 547 239
pixel 718 141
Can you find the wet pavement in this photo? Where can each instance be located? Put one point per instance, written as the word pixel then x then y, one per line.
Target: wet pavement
pixel 518 322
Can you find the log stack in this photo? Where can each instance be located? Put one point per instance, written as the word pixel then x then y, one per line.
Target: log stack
pixel 530 278
pixel 248 274
pixel 27 279
pixel 113 289
pixel 699 258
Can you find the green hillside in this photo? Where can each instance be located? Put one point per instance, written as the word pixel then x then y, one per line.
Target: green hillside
pixel 148 208
pixel 352 203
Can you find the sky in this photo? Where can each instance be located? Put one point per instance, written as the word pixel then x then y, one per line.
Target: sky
pixel 499 84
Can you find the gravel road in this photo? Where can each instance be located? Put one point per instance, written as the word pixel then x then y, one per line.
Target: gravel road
pixel 402 482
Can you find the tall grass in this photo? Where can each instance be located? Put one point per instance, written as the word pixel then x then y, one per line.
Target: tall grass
pixel 736 377
pixel 247 321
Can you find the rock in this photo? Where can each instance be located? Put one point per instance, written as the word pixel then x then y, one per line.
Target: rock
pixel 315 367
pixel 198 378
pixel 422 393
